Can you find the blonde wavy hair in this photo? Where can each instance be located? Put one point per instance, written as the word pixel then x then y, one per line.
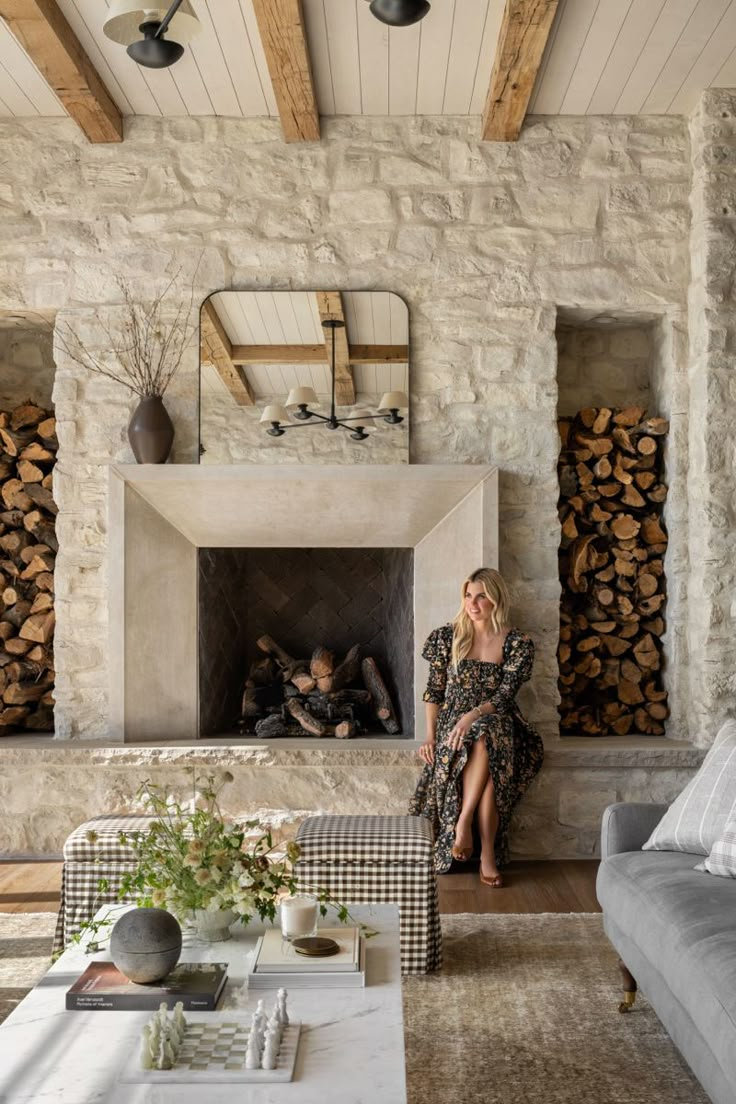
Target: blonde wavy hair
pixel 462 627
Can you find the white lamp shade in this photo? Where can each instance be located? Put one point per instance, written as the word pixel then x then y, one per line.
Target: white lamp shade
pixel 361 413
pixel 125 17
pixel 275 413
pixel 302 396
pixel 393 400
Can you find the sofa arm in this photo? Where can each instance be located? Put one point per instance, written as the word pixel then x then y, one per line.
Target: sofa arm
pixel 628 825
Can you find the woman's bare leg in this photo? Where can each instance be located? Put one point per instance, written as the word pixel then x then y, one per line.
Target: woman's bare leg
pixel 475 778
pixel 487 827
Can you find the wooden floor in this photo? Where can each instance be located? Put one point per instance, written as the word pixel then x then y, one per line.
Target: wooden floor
pixel 561 886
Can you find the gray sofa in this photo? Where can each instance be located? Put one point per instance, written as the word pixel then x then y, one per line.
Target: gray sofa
pixel 675 930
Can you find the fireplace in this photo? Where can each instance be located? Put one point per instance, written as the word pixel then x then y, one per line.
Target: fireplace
pixel 348 601
pixel 200 558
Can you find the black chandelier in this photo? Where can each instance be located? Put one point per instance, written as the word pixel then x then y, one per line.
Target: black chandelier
pixel 302 398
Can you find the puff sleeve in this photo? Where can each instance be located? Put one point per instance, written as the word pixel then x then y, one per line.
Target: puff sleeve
pixel 516 670
pixel 437 650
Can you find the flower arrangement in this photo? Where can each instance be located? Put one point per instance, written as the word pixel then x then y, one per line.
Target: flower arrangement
pixel 192 858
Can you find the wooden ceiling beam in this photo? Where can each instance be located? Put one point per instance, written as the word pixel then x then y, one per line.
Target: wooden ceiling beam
pixel 329 305
pixel 216 348
pixel 379 354
pixel 315 354
pixel 523 36
pixel 281 24
pixel 42 30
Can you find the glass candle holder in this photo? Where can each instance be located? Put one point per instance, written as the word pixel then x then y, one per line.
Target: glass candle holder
pixel 299 916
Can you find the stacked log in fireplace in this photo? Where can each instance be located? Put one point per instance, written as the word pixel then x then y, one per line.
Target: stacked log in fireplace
pixel 612 573
pixel 28 548
pixel 321 696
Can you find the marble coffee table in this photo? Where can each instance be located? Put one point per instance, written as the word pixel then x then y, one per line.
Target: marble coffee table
pixel 351 1049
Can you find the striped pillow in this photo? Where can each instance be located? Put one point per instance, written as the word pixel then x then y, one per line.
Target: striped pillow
pixel 698 817
pixel 722 859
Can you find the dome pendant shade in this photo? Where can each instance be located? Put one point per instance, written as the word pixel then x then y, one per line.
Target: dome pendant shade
pixel 126 17
pixel 399 13
pixel 152 52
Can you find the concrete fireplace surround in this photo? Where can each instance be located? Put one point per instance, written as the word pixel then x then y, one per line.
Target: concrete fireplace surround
pixel 160 516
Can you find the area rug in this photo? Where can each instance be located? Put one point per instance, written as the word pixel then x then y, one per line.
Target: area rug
pixel 25 954
pixel 525 1011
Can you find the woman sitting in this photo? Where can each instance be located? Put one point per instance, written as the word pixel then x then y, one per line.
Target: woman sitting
pixel 480 753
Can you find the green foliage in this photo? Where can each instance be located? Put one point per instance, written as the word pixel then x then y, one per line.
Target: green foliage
pixel 191 857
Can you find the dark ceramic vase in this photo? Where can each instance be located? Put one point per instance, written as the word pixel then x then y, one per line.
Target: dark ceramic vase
pixel 151 431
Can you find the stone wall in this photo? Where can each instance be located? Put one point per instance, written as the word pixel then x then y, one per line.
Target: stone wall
pixel 26 364
pixel 483 240
pixel 603 366
pixel 711 481
pixel 46 792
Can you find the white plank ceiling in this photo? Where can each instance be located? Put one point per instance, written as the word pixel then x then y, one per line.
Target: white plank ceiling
pixel 603 57
pixel 292 318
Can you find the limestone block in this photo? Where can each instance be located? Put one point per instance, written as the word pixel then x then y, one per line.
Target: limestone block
pixel 581 807
pixel 366 205
pixel 440 206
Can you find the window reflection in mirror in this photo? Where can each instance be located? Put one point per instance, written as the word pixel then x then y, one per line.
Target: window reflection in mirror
pixel 280 384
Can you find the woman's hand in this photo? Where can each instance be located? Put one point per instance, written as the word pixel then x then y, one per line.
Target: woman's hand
pixel 426 751
pixel 458 734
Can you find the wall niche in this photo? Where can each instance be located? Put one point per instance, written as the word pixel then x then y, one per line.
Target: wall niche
pixel 612 492
pixel 28 544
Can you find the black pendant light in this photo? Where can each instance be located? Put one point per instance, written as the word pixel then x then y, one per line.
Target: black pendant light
pixel 399 13
pixel 128 20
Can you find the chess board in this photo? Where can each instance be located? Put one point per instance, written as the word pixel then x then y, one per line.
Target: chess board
pixel 213 1050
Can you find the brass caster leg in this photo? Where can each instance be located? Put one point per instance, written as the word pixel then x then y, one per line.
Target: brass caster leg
pixel 629 988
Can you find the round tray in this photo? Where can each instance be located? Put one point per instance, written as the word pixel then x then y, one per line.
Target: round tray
pixel 315 946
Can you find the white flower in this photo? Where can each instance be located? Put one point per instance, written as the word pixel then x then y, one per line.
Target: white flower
pixel 245 880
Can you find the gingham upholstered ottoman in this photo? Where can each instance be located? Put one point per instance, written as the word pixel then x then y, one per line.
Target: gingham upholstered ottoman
pixel 93 851
pixel 378 860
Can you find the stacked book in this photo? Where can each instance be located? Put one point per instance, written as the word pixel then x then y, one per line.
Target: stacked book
pixel 198 985
pixel 277 963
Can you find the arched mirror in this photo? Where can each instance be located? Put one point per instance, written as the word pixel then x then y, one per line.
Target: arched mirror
pixel 304 377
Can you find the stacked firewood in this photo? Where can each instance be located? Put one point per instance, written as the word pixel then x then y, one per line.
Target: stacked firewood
pixel 28 548
pixel 612 573
pixel 320 696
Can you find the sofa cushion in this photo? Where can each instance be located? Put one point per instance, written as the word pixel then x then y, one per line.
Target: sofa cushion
pixel 722 858
pixel 697 818
pixel 683 923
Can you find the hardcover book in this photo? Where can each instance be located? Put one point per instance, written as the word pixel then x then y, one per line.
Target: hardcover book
pixel 315 976
pixel 276 955
pixel 198 985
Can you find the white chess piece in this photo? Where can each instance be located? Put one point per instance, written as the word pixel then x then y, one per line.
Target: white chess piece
pixel 253 1053
pixel 273 1027
pixel 271 1049
pixel 281 1004
pixel 146 1052
pixel 179 1017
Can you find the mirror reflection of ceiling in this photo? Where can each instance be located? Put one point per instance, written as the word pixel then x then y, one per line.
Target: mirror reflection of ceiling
pixel 274 341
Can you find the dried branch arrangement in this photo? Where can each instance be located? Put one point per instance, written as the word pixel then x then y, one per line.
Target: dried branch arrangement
pixel 145 354
pixel 612 572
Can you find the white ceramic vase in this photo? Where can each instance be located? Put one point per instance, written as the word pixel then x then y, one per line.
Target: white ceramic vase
pixel 213 926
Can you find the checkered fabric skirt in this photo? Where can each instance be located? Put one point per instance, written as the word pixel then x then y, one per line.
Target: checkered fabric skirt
pixel 93 853
pixel 378 860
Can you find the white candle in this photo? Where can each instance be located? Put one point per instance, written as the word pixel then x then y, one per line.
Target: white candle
pixel 298 916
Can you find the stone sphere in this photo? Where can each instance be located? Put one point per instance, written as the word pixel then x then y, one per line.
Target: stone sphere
pixel 145 944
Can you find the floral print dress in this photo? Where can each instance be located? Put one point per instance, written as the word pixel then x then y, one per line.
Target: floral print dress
pixel 515 750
